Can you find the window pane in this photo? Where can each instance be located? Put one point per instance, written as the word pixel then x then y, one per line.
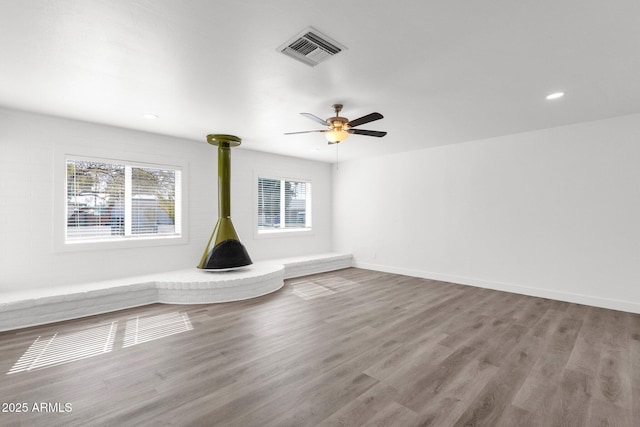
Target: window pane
pixel 268 203
pixel 94 192
pixel 153 201
pixel 295 204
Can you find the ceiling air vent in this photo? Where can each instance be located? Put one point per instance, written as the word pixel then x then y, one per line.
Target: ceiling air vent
pixel 311 47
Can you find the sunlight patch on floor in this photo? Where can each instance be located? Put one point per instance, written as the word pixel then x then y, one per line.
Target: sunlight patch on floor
pixel 145 329
pixel 66 347
pixel 311 290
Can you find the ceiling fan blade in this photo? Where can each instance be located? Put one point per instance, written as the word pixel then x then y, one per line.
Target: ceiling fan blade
pixel 304 131
pixel 367 132
pixel 365 119
pixel 315 118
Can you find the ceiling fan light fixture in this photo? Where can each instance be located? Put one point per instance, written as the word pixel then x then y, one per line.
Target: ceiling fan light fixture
pixel 335 135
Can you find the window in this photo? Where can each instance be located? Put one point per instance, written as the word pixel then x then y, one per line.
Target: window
pixel 283 205
pixel 113 200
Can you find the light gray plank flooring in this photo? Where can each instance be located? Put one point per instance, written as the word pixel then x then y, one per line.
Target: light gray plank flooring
pixel 346 348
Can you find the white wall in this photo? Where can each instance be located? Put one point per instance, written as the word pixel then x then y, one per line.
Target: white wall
pixel 553 213
pixel 245 165
pixel 28 258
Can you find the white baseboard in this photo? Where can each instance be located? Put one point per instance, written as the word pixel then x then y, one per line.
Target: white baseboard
pixel 609 303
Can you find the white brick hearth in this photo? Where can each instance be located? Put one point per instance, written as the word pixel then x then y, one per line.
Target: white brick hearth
pixel 189 286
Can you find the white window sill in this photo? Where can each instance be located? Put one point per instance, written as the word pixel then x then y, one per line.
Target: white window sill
pixel 120 243
pixel 283 232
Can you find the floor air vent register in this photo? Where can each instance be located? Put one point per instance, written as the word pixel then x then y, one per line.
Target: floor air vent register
pixel 224 250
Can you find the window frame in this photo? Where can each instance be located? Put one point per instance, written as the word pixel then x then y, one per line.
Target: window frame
pixel 134 159
pixel 281 232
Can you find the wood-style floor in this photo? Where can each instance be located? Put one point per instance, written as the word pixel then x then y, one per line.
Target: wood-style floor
pixel 346 348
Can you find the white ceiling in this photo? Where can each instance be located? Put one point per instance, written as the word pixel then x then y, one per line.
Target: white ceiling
pixel 440 71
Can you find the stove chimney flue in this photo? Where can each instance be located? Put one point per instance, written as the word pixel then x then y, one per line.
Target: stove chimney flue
pixel 224 250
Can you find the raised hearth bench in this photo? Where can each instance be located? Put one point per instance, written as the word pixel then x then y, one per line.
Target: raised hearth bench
pixel 190 286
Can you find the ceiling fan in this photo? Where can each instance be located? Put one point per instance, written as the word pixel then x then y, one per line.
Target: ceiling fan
pixel 339 128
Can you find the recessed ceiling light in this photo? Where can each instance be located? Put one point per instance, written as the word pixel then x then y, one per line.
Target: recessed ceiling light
pixel 150 116
pixel 555 95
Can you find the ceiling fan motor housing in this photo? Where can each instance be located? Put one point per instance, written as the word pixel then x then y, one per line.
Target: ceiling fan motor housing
pixel 338 123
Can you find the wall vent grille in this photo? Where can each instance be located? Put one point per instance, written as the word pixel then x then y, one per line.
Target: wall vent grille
pixel 311 47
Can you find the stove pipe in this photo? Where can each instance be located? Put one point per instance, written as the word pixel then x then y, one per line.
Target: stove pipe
pixel 224 250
